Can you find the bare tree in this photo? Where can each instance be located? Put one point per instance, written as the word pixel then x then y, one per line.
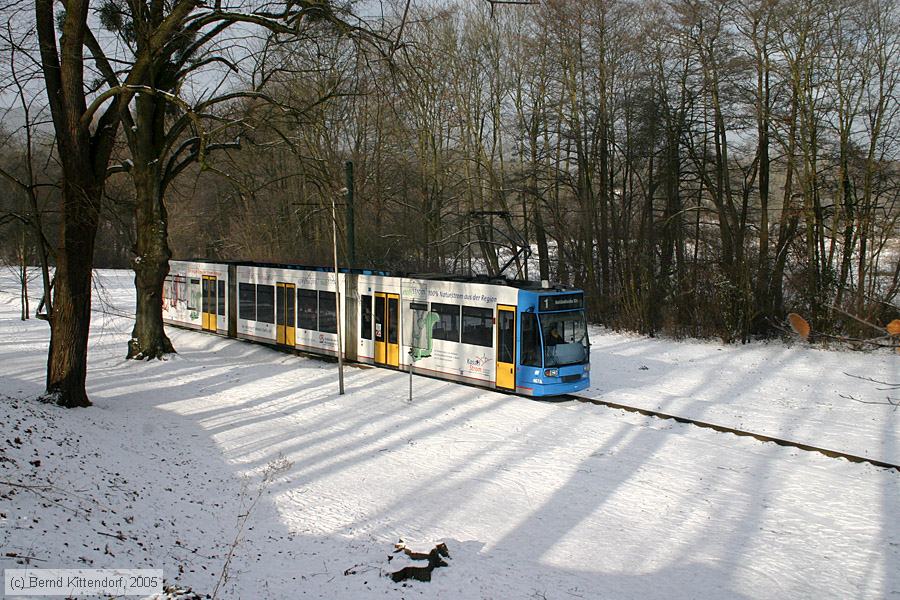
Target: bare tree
pixel 22 177
pixel 162 147
pixel 86 121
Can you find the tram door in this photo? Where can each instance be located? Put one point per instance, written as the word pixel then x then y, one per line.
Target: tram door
pixel 506 347
pixel 285 304
pixel 387 329
pixel 208 310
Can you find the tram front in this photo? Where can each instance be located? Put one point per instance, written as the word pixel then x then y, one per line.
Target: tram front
pixel 555 351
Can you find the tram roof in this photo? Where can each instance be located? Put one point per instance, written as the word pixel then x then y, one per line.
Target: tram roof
pixel 521 284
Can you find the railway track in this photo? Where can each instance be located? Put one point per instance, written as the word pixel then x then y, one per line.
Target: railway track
pixel 738 432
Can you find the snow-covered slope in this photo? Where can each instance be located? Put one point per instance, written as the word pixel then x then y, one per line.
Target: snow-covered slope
pixel 232 445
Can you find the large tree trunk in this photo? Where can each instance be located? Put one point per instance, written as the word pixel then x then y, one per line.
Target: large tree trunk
pixel 84 160
pixel 70 320
pixel 148 338
pixel 152 254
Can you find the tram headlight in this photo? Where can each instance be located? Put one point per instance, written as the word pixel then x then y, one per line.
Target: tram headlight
pixel 551 372
pixel 587 368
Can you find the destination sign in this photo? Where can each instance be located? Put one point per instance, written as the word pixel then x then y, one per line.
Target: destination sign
pixel 562 302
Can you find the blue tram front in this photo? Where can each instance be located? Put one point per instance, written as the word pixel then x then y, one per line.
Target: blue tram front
pixel 553 345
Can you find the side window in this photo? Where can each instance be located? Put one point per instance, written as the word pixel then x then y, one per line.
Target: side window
pixel 379 318
pixel 265 303
pixel 447 328
pixel 506 336
pixel 365 317
pixel 308 309
pixel 478 326
pixel 194 296
pixel 168 292
pixel 290 305
pixel 247 298
pixel 416 331
pixel 205 297
pixel 393 321
pixel 181 288
pixel 531 341
pixel 327 312
pixel 221 295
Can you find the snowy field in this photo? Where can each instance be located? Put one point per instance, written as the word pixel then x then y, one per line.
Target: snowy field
pixel 233 447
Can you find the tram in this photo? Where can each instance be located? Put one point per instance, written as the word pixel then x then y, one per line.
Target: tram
pixel 508 335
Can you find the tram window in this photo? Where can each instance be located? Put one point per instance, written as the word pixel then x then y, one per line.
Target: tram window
pixel 181 288
pixel 393 321
pixel 531 341
pixel 571 346
pixel 265 303
pixel 417 331
pixel 379 318
pixel 221 297
pixel 506 336
pixel 447 328
pixel 168 292
pixel 279 300
pixel 327 312
pixel 308 309
pixel 205 297
pixel 247 298
pixel 194 296
pixel 290 305
pixel 366 317
pixel 478 326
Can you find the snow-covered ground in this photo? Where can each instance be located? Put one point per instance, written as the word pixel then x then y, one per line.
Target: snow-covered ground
pixel 829 399
pixel 230 445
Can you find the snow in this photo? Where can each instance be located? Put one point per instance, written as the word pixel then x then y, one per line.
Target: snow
pixel 230 445
pixel 818 397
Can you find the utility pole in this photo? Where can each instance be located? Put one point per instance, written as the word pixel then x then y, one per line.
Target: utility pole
pixel 337 299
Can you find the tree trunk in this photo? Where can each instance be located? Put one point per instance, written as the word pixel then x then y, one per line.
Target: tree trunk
pixel 148 338
pixel 84 158
pixel 151 263
pixel 23 275
pixel 71 318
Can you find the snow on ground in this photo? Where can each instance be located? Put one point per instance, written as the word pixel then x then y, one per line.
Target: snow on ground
pixel 232 441
pixel 825 398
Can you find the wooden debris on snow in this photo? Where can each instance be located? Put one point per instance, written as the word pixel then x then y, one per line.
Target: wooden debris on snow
pixel 417 562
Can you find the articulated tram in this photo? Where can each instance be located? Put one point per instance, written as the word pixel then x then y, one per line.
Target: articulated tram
pixel 508 335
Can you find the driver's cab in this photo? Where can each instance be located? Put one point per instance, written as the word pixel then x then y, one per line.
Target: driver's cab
pixel 554 348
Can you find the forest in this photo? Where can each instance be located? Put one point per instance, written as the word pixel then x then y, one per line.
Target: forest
pixel 700 167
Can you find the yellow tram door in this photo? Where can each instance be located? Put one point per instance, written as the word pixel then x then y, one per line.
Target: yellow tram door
pixel 387 329
pixel 285 316
pixel 393 330
pixel 208 303
pixel 379 317
pixel 506 347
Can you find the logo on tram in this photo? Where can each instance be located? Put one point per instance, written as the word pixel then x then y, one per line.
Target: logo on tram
pixel 478 364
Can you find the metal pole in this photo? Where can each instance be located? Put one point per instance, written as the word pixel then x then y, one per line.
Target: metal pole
pixel 410 374
pixel 337 300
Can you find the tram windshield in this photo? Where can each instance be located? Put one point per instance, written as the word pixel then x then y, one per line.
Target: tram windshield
pixel 565 338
